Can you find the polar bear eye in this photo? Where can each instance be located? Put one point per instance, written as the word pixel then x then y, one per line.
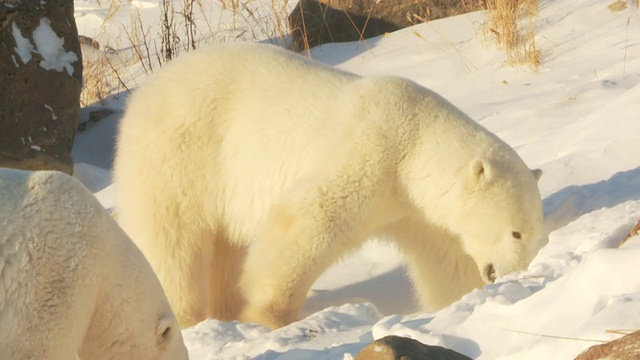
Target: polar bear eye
pixel 516 235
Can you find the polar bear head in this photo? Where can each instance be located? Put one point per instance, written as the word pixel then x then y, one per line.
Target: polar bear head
pixel 467 181
pixel 133 318
pixel 494 207
pixel 500 221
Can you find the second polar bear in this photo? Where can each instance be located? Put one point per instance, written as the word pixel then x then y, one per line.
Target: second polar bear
pixel 72 284
pixel 244 171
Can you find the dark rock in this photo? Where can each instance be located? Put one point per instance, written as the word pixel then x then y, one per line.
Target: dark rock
pixel 625 348
pixel 316 22
pixel 40 83
pixel 95 115
pixel 401 348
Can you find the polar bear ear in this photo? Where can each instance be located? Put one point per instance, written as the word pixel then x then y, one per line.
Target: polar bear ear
pixel 537 173
pixel 164 329
pixel 479 170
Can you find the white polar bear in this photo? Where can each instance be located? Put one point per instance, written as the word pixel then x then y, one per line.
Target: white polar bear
pixel 72 284
pixel 245 170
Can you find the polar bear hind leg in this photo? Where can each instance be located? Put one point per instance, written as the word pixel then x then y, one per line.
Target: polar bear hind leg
pixel 225 299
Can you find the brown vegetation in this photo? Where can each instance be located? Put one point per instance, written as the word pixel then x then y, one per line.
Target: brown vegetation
pixel 510 25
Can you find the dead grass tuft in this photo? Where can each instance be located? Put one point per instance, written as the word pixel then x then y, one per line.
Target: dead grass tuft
pixel 618 5
pixel 511 27
pixel 102 74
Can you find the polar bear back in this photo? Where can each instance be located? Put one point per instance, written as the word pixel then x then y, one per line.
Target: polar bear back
pixel 273 146
pixel 239 89
pixel 266 120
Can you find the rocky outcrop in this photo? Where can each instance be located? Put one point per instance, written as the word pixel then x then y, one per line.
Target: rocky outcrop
pixel 40 83
pixel 625 348
pixel 315 22
pixel 401 348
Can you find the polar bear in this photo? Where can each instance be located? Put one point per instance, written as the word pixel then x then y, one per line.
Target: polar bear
pixel 244 171
pixel 72 284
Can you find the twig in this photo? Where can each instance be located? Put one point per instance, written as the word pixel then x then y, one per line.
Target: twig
pixel 554 336
pixel 117 75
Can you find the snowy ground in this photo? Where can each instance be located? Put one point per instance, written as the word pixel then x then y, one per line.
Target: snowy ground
pixel 578 119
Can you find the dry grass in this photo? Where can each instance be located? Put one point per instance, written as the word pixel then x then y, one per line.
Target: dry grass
pixel 510 25
pixel 102 74
pixel 181 28
pixel 618 5
pixel 185 27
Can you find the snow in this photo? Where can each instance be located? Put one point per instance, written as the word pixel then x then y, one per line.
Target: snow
pixel 50 47
pixel 577 119
pixel 53 115
pixel 23 45
pixel 47 44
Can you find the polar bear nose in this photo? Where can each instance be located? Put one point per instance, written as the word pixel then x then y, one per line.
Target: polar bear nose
pixel 490 273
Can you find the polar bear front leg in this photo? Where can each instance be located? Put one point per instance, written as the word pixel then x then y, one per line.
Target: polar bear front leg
pixel 441 271
pixel 291 253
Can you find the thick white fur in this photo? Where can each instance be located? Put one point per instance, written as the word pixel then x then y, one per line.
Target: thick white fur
pixel 71 282
pixel 244 171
